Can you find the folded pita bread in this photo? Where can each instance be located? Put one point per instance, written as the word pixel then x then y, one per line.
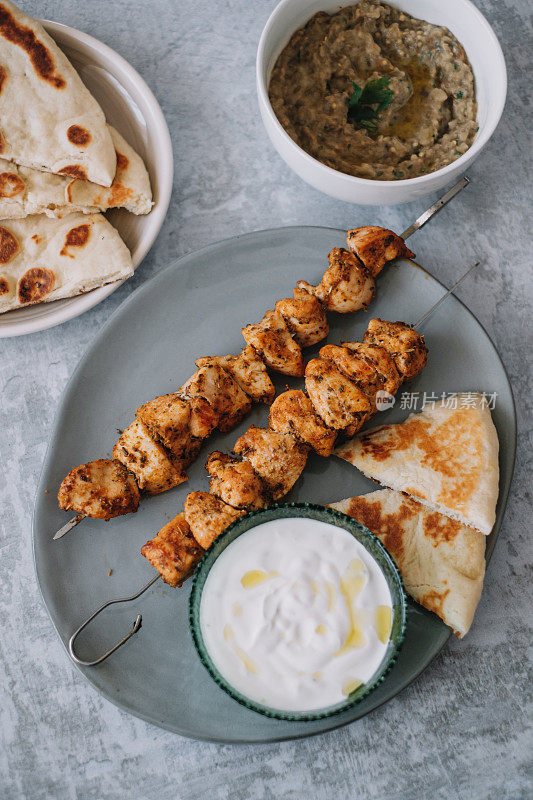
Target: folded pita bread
pixel 48 119
pixel 445 457
pixel 25 191
pixel 43 259
pixel 442 562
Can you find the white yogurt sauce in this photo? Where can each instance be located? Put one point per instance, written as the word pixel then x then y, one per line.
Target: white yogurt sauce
pixel 296 614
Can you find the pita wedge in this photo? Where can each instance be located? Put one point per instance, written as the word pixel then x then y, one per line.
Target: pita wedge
pixel 446 457
pixel 48 119
pixel 25 191
pixel 442 561
pixel 43 259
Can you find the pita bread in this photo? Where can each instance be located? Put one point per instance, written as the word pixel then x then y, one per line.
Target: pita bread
pixel 25 191
pixel 43 259
pixel 442 562
pixel 445 457
pixel 48 119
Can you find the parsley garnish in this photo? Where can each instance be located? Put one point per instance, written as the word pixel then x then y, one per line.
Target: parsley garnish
pixel 364 105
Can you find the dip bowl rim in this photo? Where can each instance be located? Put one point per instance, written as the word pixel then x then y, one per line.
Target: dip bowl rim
pixel 322 514
pixel 326 175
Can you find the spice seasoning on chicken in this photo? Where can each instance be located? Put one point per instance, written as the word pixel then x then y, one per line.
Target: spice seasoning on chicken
pixel 375 93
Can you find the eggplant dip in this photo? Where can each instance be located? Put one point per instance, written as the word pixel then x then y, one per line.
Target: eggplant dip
pixel 373 92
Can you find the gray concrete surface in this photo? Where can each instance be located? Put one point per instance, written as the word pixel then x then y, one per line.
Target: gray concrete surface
pixel 461 731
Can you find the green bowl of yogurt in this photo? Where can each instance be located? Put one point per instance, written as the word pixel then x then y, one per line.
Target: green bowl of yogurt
pixel 297 611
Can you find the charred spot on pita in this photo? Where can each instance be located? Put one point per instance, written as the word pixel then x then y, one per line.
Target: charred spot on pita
pixel 2 143
pixel 76 237
pixel 388 527
pixel 8 246
pixel 4 286
pixel 439 528
pixel 122 161
pixel 78 135
pixel 3 76
pixel 35 284
pixel 74 171
pixel 38 53
pixel 10 184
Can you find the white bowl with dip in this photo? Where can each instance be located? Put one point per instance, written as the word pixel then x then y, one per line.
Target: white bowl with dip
pixel 297 611
pixel 472 30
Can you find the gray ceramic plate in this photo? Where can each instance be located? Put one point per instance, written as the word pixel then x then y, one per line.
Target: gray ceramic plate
pixel 197 307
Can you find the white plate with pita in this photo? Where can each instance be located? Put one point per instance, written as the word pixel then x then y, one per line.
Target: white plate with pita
pixel 132 109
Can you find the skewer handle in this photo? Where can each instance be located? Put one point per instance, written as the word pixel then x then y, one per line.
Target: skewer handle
pixel 435 208
pixel 136 627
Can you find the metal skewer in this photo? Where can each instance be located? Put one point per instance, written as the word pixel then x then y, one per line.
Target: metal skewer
pixel 69 525
pixel 444 296
pixel 138 622
pixel 417 224
pixel 435 208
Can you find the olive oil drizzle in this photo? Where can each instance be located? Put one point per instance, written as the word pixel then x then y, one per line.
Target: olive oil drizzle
pixel 351 584
pixel 406 121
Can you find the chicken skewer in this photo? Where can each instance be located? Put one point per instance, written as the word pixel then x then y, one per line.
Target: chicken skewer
pixel 180 563
pixel 167 433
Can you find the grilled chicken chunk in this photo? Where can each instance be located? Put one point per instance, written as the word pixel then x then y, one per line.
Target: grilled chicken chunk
pixel 293 412
pixel 221 391
pixel 249 372
pixel 208 516
pixel 203 419
pixel 272 340
pixel 305 317
pixel 336 399
pixel 404 344
pixel 375 246
pixel 174 552
pixel 147 459
pixel 168 419
pixel 278 458
pixel 361 372
pixel 236 482
pixel 346 286
pixel 382 362
pixel 101 489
